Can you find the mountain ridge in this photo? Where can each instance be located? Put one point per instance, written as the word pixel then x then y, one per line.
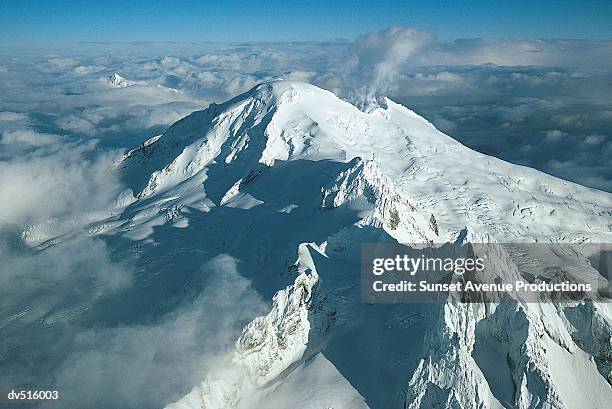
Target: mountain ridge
pixel 223 131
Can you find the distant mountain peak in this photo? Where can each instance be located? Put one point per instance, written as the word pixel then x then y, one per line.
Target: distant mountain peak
pixel 118 81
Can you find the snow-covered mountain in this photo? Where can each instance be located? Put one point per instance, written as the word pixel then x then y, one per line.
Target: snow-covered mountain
pixel 116 80
pixel 292 180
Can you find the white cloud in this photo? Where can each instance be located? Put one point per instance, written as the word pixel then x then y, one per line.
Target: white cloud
pixel 378 57
pixel 187 342
pixel 28 137
pixel 13 117
pixel 63 63
pixel 86 69
pixel 594 139
pixel 555 135
pixel 60 182
pixel 520 52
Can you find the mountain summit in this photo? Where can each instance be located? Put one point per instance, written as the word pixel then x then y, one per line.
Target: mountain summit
pixel 282 121
pixel 291 180
pixel 118 81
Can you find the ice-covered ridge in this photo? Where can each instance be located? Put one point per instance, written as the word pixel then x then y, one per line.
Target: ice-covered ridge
pixel 267 346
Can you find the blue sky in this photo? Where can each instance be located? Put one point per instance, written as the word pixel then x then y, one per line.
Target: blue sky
pixel 31 22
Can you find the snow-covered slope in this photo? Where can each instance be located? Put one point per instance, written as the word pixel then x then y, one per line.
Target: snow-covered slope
pixel 287 172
